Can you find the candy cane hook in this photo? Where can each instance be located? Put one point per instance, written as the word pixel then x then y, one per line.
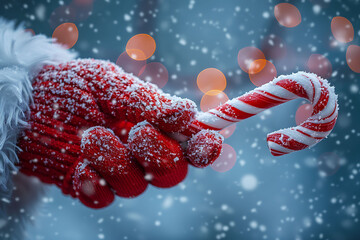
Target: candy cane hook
pixel 282 89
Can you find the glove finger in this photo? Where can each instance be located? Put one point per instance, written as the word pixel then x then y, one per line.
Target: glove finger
pixel 90 188
pixel 124 96
pixel 108 156
pixel 204 148
pixel 170 114
pixel 160 155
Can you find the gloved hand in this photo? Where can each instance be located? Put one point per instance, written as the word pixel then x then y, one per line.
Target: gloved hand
pixel 82 137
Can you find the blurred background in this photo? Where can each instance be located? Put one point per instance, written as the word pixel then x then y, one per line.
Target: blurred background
pixel 210 51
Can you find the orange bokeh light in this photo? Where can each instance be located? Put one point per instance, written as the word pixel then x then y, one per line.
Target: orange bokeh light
pixel 353 58
pixel 228 131
pixel 226 160
pixel 141 47
pixel 257 66
pixel 155 73
pixel 303 113
pixel 342 29
pixel 247 56
pixel 287 15
pixel 66 34
pixel 212 99
pixel 130 65
pixel 262 71
pixel 320 65
pixel 211 79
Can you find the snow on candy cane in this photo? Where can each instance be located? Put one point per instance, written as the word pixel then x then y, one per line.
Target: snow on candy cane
pixel 282 89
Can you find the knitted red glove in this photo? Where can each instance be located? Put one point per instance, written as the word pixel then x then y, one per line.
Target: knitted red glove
pixel 69 141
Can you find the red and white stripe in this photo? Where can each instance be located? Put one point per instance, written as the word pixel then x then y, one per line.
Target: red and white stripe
pixel 282 89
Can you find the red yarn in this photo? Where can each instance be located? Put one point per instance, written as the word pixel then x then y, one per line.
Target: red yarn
pixel 160 155
pixel 68 143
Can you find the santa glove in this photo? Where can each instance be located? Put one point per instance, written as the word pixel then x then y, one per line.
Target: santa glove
pixel 107 166
pixel 69 99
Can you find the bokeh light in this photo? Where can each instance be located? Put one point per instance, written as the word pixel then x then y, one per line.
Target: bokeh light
pixel 328 164
pixel 247 56
pixel 226 160
pixel 287 15
pixel 88 187
pixel 342 29
pixel 257 66
pixel 155 73
pixel 262 71
pixel 228 131
pixel 249 182
pixel 212 99
pixel 66 34
pixel 141 47
pixel 130 65
pixel 353 58
pixel 320 65
pixel 274 47
pixel 303 113
pixel 211 79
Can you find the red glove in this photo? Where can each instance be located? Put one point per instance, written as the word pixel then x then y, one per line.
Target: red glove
pixel 79 139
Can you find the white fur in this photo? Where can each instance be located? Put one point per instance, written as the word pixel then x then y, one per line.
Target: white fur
pixel 21 57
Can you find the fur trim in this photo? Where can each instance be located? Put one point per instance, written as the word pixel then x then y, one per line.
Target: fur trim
pixel 15 94
pixel 20 48
pixel 21 57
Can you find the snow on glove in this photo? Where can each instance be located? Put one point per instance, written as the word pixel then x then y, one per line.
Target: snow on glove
pixel 68 142
pixel 81 134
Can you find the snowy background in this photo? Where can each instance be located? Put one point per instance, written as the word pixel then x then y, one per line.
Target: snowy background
pixel 311 194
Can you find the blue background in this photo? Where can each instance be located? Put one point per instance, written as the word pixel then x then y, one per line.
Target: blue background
pixel 311 194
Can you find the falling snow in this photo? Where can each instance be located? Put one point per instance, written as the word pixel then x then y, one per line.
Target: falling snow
pixel 312 194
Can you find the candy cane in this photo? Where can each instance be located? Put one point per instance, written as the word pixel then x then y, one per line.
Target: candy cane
pixel 282 89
